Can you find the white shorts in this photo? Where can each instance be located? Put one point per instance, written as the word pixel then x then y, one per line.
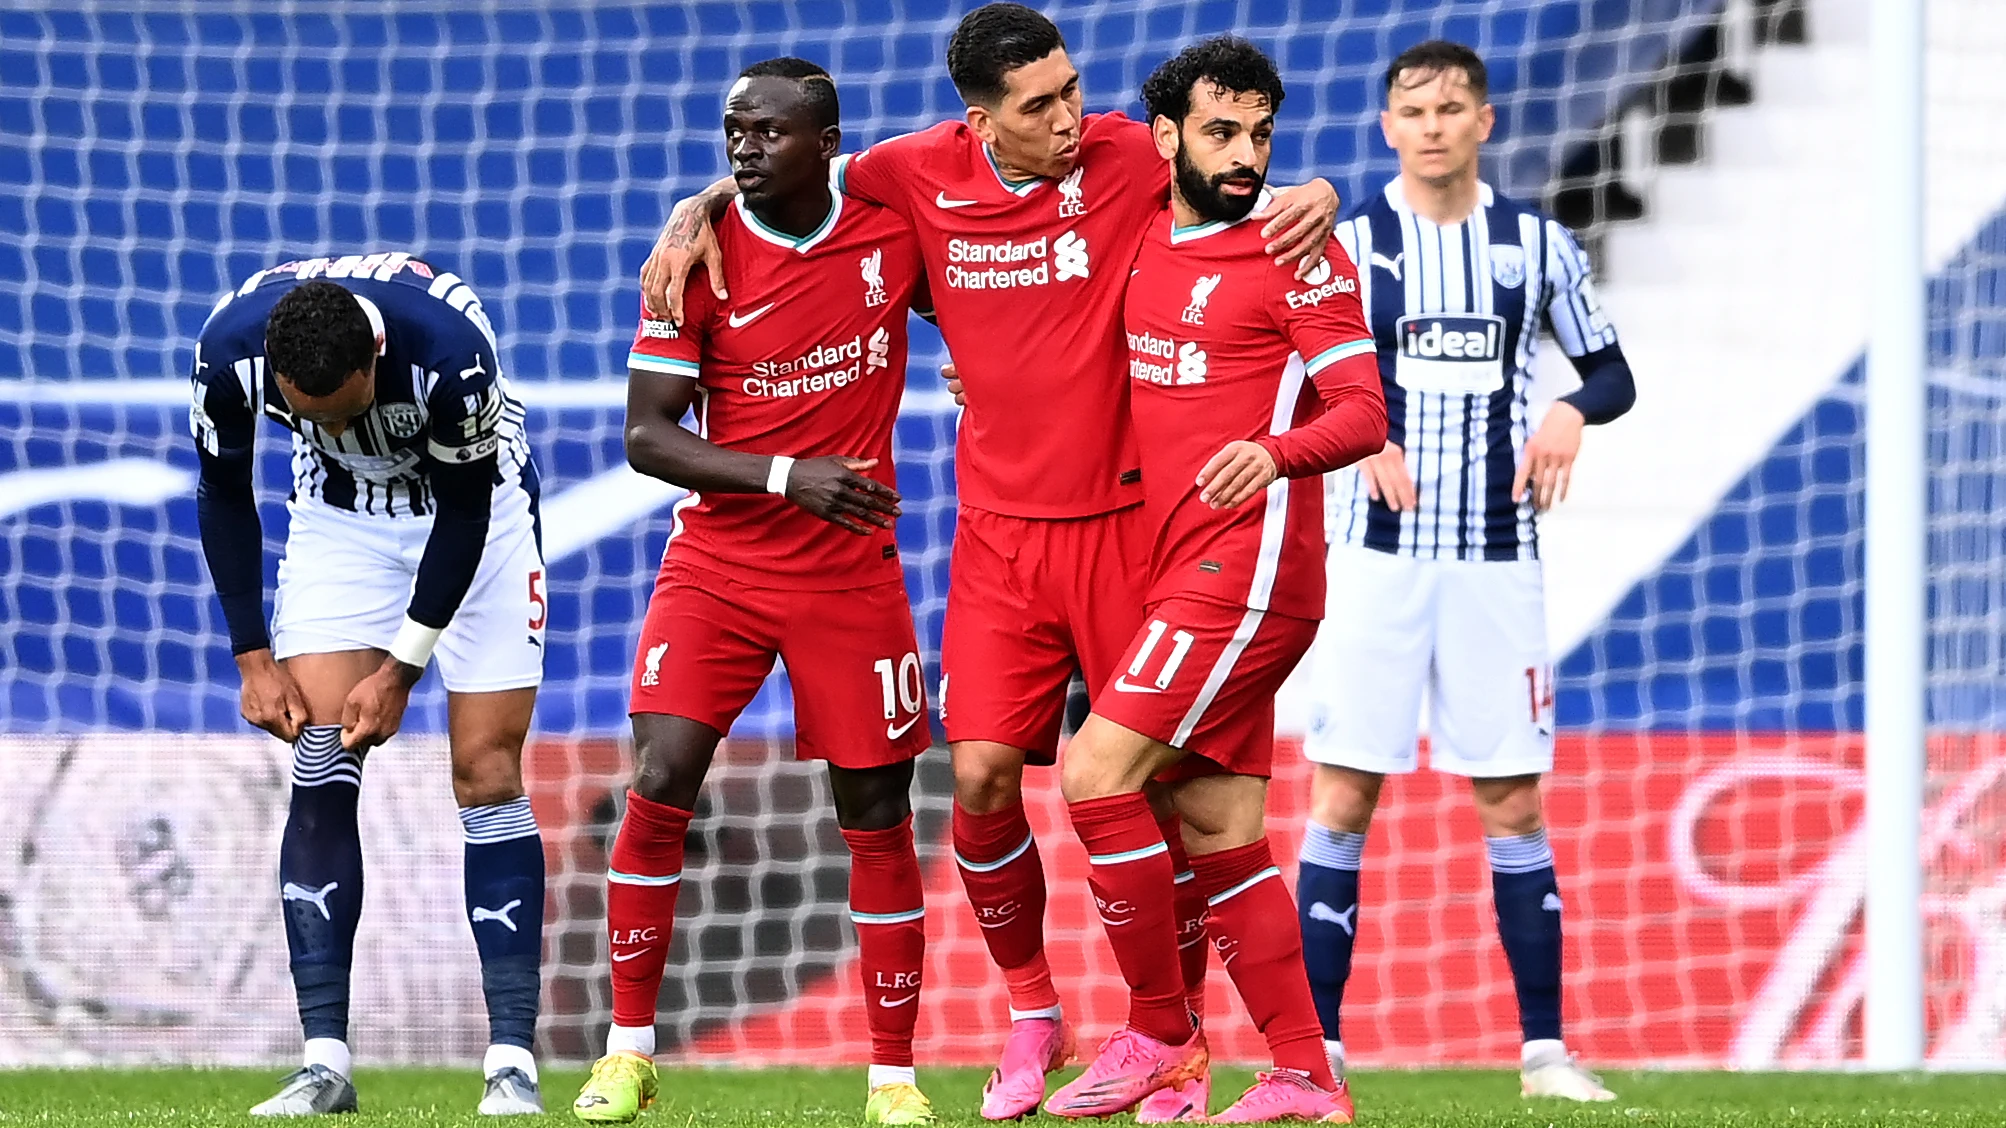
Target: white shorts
pixel 346 579
pixel 1472 633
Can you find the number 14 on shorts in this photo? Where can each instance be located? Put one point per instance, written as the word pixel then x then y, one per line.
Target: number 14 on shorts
pixel 1539 697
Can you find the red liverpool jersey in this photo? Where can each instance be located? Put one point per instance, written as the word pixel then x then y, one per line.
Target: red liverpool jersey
pixel 1027 279
pixel 1223 345
pixel 806 358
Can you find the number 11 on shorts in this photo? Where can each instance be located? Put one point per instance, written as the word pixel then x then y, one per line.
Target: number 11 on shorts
pixel 1180 645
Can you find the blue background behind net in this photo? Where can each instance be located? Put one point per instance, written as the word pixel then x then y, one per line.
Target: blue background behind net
pixel 150 157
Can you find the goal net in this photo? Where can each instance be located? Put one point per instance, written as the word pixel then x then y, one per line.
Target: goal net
pixel 157 151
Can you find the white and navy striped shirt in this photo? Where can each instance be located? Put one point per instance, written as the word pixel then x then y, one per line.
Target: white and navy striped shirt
pixel 440 392
pixel 1457 312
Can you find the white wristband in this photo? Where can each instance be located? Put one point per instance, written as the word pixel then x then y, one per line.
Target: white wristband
pixel 414 642
pixel 776 474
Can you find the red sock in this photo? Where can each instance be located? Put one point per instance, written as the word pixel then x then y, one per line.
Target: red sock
pixel 1132 885
pixel 888 904
pixel 1249 907
pixel 1190 908
pixel 642 879
pixel 1005 880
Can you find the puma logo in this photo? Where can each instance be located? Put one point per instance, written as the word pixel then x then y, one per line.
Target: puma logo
pixel 1347 920
pixel 292 891
pixel 500 916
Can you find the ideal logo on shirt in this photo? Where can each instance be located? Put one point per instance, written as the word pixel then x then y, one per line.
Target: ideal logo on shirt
pixel 1446 337
pixel 1451 354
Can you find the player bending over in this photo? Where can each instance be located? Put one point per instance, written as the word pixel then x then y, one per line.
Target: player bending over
pixel 783 547
pixel 414 530
pixel 1236 428
pixel 1028 213
pixel 1434 569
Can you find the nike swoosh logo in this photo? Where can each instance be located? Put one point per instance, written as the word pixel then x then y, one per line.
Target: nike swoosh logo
pixel 941 201
pixel 1121 685
pixel 629 956
pixel 893 732
pixel 738 322
pixel 898 1002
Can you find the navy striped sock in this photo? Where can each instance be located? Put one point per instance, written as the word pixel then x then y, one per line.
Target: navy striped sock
pixel 1527 894
pixel 1327 907
pixel 320 878
pixel 504 878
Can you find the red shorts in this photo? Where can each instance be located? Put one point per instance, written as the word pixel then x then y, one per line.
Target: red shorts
pixel 1202 676
pixel 1029 600
pixel 859 696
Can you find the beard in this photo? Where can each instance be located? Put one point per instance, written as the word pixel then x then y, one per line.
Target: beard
pixel 1204 193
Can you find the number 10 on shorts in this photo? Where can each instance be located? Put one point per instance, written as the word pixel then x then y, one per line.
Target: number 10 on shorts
pixel 903 686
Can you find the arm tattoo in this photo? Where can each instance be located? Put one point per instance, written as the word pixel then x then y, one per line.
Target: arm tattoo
pixel 684 223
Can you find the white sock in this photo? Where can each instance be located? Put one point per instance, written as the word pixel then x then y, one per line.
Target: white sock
pixel 632 1039
pixel 330 1052
pixel 1050 1013
pixel 1334 1050
pixel 508 1057
pixel 891 1075
pixel 1542 1051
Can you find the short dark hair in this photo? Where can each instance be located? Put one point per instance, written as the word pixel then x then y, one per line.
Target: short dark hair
pixel 317 337
pixel 992 41
pixel 817 88
pixel 1227 61
pixel 1435 56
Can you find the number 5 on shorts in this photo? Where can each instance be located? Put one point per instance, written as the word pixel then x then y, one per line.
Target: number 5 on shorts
pixel 539 604
pixel 1180 645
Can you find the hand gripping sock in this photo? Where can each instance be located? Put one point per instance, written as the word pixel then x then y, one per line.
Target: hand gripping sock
pixel 320 886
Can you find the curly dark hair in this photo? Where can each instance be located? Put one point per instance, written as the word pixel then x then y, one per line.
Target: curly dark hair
pixel 1437 55
pixel 1228 62
pixel 817 88
pixel 992 41
pixel 317 337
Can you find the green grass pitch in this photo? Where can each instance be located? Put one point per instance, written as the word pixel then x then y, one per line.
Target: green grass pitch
pixel 772 1098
